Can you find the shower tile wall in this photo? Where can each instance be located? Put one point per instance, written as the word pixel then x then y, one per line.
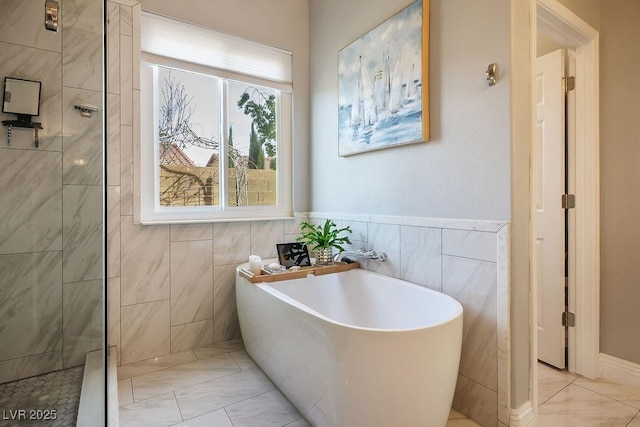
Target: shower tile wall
pixel 171 287
pixel 466 260
pixel 50 205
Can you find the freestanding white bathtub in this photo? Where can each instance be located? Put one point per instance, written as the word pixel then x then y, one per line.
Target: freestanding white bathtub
pixel 355 348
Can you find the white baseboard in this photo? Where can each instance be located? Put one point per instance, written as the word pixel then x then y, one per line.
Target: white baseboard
pixel 619 371
pixel 524 416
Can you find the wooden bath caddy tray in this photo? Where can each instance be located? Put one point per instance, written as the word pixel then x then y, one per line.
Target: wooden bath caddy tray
pixel 316 270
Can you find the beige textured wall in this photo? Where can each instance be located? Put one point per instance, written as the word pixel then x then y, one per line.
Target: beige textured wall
pixel 464 170
pixel 546 45
pixel 620 178
pixel 587 10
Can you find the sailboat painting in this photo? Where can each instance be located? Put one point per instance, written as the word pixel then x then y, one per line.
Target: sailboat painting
pixel 382 79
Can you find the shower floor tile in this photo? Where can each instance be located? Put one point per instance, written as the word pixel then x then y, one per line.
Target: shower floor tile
pixel 242 397
pixel 54 397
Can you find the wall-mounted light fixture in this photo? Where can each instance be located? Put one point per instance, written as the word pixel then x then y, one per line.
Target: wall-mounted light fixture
pixel 491 74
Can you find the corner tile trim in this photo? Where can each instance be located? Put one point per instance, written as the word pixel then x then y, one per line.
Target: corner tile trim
pixel 456 224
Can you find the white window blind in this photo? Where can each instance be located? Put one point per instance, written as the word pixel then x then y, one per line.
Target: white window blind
pixel 199 45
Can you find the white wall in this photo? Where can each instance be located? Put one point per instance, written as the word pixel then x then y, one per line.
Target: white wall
pixel 464 171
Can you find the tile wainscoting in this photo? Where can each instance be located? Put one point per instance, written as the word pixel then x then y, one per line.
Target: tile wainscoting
pixel 467 260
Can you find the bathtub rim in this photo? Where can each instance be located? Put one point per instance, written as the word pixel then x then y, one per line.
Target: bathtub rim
pixel 266 287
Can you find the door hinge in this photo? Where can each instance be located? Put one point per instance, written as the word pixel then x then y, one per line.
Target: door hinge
pixel 568 83
pixel 569 319
pixel 568 201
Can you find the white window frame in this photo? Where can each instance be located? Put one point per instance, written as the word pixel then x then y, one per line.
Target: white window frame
pixel 151 212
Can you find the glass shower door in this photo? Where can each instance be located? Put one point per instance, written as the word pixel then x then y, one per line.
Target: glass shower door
pixel 52 212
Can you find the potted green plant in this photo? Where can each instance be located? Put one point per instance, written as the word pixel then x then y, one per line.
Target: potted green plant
pixel 323 238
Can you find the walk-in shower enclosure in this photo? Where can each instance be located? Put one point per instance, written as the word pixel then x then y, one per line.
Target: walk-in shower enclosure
pixel 52 277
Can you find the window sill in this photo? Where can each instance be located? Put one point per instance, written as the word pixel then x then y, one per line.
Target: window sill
pixel 217 220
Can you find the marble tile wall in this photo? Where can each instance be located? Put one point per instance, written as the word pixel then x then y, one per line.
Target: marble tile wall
pixel 51 206
pixel 466 260
pixel 171 287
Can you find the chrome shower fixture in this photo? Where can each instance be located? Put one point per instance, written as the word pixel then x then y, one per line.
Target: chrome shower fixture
pixel 51 8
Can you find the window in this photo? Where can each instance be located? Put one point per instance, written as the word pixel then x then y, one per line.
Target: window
pixel 216 126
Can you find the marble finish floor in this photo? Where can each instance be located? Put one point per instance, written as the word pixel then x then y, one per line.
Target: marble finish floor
pixel 51 399
pixel 568 400
pixel 217 386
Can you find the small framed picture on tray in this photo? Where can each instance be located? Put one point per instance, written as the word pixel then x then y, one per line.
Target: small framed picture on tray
pixel 293 254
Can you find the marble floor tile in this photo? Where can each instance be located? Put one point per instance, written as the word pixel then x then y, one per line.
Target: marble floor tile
pixel 159 382
pixel 243 360
pixel 233 344
pixel 155 364
pixel 621 393
pixel 55 392
pixel 219 348
pixel 211 395
pixel 579 407
pixel 635 422
pixel 243 398
pixel 217 418
pixel 551 381
pixel 299 423
pixel 209 351
pixel 125 392
pixel 268 409
pixel 160 411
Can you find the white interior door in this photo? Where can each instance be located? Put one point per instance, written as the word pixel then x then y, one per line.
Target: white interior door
pixel 549 259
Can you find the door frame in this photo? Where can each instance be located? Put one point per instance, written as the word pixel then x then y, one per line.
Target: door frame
pixel 557 22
